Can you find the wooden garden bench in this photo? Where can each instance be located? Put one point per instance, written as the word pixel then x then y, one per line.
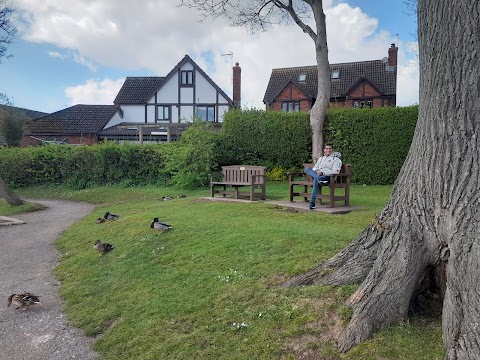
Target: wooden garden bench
pixel 239 176
pixel 337 181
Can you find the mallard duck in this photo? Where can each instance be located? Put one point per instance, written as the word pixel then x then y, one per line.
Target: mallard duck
pixel 102 247
pixel 100 220
pixel 109 216
pixel 23 301
pixel 159 225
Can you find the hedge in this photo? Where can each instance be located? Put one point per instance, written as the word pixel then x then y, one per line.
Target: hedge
pixel 374 141
pixel 83 166
pixel 277 140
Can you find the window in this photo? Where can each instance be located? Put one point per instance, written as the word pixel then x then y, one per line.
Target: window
pixel 302 77
pixel 206 113
pixel 360 104
pixel 335 74
pixel 163 113
pixel 186 77
pixel 288 106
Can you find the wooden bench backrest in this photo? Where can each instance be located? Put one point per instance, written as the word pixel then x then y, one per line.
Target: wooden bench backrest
pixel 243 173
pixel 344 170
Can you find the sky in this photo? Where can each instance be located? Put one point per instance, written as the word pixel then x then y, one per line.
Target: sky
pixel 80 52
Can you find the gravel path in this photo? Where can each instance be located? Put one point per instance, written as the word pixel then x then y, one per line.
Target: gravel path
pixel 27 257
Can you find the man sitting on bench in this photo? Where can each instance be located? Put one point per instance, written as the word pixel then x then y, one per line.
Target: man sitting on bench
pixel 328 164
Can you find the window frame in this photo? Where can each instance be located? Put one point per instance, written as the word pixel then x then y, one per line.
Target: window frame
pixel 187 77
pixel 163 107
pixel 291 105
pixel 337 75
pixel 206 107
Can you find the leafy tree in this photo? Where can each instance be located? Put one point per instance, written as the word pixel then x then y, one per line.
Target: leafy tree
pixel 260 14
pixel 11 125
pixel 427 236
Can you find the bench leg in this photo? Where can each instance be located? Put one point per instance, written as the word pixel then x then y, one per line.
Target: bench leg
pixel 347 196
pixel 224 189
pixel 212 190
pixel 332 197
pixel 305 190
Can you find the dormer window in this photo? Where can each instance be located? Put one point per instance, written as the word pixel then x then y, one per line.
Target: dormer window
pixel 335 74
pixel 302 77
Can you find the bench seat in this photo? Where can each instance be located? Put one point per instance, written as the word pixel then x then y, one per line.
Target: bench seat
pixel 305 182
pixel 239 176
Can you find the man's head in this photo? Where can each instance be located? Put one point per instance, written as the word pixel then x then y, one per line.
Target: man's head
pixel 328 149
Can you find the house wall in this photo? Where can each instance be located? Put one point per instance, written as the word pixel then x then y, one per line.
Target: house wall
pixel 168 94
pixel 133 113
pixel 205 93
pixel 291 93
pixel 116 119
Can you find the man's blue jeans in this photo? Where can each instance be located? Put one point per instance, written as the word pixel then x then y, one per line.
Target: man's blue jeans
pixel 316 179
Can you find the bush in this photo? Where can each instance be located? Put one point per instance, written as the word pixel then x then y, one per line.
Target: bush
pixel 375 141
pixel 83 166
pixel 268 138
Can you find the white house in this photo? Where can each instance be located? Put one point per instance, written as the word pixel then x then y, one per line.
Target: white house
pixel 185 93
pixel 142 109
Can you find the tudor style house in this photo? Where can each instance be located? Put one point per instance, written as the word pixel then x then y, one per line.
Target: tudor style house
pixel 356 84
pixel 145 108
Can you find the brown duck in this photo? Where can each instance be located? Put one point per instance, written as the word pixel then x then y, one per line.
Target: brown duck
pixel 102 247
pixel 23 301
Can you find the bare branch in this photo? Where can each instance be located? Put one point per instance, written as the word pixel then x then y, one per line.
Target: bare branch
pixel 7 29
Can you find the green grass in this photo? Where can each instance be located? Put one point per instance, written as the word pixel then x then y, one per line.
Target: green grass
pixel 210 287
pixel 6 209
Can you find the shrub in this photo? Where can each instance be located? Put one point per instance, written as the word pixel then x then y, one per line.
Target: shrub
pixel 374 141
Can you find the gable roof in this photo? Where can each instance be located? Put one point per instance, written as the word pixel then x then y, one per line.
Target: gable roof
pixel 77 119
pixel 137 90
pixel 31 114
pixel 375 71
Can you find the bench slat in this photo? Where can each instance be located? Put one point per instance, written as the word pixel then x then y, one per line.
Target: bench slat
pixel 238 176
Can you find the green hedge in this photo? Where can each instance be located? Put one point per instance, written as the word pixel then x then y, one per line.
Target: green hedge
pixel 83 166
pixel 268 138
pixel 374 141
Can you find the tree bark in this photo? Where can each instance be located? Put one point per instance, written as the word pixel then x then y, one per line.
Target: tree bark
pixel 8 194
pixel 431 223
pixel 319 109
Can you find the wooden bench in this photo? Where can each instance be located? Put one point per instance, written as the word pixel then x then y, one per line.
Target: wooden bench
pixel 239 176
pixel 338 181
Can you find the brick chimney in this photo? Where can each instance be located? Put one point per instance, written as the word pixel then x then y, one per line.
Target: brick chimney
pixel 237 79
pixel 392 55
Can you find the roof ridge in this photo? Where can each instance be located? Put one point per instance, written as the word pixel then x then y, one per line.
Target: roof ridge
pixel 312 66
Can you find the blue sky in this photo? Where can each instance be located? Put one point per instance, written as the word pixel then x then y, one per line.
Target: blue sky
pixel 80 52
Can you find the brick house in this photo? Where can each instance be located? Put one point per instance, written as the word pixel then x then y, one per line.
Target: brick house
pixel 357 84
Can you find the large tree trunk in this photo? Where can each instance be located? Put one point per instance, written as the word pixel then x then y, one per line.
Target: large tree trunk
pixel 319 109
pixel 431 225
pixel 8 194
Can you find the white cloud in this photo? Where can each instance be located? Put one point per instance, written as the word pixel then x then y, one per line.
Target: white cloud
pixel 155 35
pixel 94 92
pixel 84 62
pixel 56 54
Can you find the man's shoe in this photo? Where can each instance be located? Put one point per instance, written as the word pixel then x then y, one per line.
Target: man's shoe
pixel 312 206
pixel 323 182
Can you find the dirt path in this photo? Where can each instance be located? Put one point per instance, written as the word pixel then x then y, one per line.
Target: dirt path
pixel 27 257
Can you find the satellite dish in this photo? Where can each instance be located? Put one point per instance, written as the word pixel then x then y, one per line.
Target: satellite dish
pixel 385 60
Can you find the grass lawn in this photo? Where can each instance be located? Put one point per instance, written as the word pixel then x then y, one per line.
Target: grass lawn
pixel 210 287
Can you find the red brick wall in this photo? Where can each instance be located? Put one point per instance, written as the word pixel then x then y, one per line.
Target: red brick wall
pixel 363 92
pixel 291 93
pixel 70 139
